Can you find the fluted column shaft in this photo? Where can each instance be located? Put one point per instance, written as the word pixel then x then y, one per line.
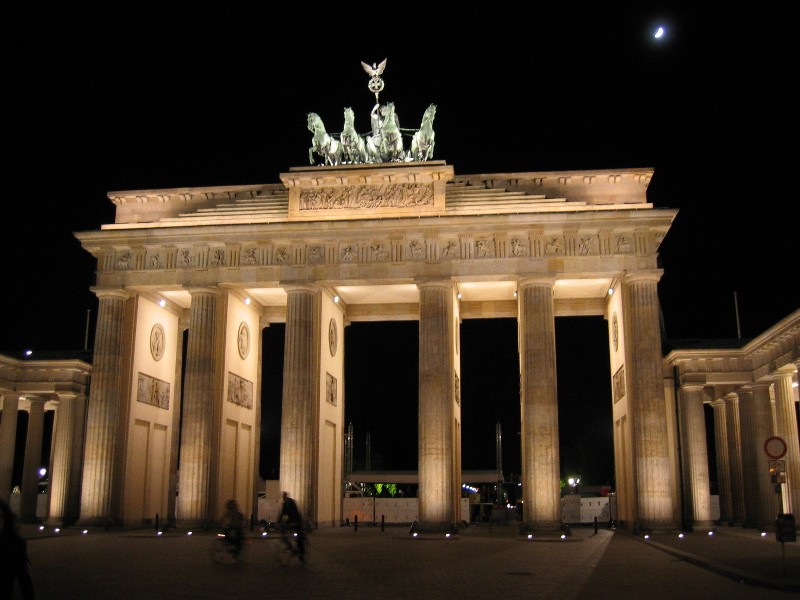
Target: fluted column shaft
pixel 105 402
pixel 8 443
pixel 787 429
pixel 32 463
pixel 300 395
pixel 541 470
pixel 202 381
pixel 438 492
pixel 695 456
pixel 735 457
pixel 652 472
pixel 723 461
pixel 61 468
pixel 759 494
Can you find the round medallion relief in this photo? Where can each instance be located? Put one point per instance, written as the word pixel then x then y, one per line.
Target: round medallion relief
pixel 615 331
pixel 243 340
pixel 333 336
pixel 157 341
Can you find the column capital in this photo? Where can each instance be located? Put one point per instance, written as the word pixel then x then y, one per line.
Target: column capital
pixel 719 402
pixel 528 280
pixel 434 283
pixel 214 291
pixel 111 293
pixel 653 275
pixel 309 288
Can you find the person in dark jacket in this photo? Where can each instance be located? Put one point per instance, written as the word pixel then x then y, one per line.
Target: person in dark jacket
pixel 14 562
pixel 294 522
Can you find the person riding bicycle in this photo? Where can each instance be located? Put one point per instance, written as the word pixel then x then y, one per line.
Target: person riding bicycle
pixel 233 524
pixel 294 523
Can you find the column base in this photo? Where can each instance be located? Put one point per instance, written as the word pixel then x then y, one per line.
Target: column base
pixel 418 529
pixel 545 530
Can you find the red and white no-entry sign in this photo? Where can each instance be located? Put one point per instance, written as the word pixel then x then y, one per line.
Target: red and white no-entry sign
pixel 775 447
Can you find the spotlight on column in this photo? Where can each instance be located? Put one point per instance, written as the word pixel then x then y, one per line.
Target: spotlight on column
pixel 188 533
pixel 336 298
pixel 610 291
pixel 42 472
pixel 646 536
pixel 515 293
pixel 710 534
pixel 28 352
pixel 247 300
pixel 85 531
pixel 162 303
pixel 680 536
pixel 458 295
pixel 57 530
pixel 41 527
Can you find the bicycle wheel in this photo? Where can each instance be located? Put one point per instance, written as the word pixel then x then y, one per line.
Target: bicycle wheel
pixel 219 550
pixel 284 551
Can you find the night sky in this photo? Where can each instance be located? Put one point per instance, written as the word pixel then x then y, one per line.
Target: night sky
pixel 130 98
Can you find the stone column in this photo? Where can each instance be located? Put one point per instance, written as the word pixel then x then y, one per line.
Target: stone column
pixel 202 381
pixel 8 443
pixel 33 462
pixel 541 471
pixel 60 469
pixel 437 441
pixel 759 493
pixel 787 429
pixel 652 473
pixel 106 397
pixel 735 457
pixel 300 397
pixel 73 507
pixel 723 461
pixel 695 457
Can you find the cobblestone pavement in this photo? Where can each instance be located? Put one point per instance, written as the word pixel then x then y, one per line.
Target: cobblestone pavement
pixel 480 562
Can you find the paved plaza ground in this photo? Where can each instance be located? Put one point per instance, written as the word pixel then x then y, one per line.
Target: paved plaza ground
pixel 480 562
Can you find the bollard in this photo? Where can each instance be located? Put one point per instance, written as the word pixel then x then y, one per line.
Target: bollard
pixel 355 523
pixel 595 525
pixel 382 521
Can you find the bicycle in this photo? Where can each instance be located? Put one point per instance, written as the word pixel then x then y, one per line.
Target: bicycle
pixel 223 549
pixel 288 549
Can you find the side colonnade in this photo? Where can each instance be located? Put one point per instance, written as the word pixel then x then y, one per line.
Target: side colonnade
pixel 753 394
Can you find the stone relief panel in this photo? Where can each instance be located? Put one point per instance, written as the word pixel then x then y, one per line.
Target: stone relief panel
pixel 243 340
pixel 157 342
pixel 348 253
pixel 186 258
pixel 331 393
pixel 240 391
pixel 584 245
pixel 618 383
pixel 249 256
pixel 416 250
pixel 624 244
pixel 553 246
pixel 282 255
pixel 392 195
pixel 380 252
pixel 450 249
pixel 519 247
pixel 154 260
pixel 315 254
pixel 152 391
pixel 484 248
pixel 216 257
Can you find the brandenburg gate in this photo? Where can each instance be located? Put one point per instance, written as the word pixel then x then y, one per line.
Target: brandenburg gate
pixel 340 243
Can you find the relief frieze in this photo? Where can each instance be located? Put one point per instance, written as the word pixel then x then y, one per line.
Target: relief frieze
pixel 240 391
pixel 392 195
pixel 152 391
